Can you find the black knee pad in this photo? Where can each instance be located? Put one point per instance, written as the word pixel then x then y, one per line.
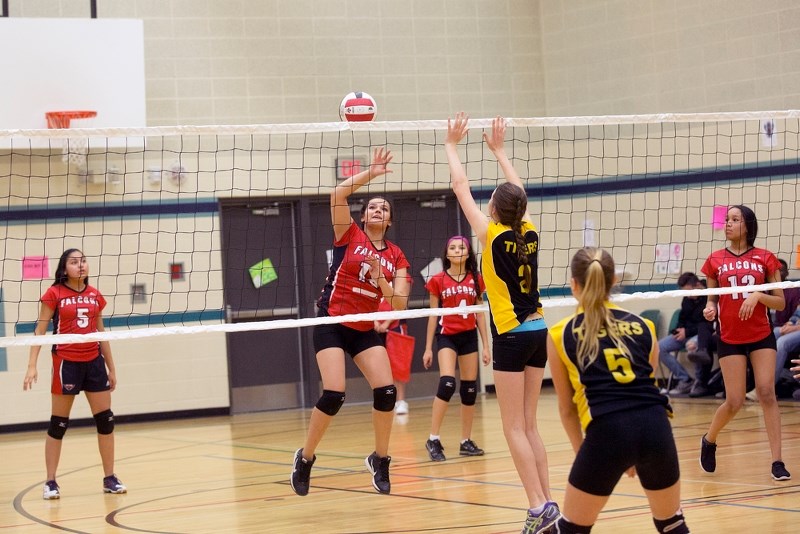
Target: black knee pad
pixel 447 386
pixel 563 526
pixel 383 398
pixel 468 392
pixel 58 427
pixel 104 421
pixel 330 402
pixel 674 525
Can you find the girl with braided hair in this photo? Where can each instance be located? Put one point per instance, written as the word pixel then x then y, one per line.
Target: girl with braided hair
pixel 519 334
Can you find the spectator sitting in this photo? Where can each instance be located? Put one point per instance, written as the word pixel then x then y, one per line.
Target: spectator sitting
pixel 786 326
pixel 689 320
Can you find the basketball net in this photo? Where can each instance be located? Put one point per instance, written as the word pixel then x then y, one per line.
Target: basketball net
pixel 75 150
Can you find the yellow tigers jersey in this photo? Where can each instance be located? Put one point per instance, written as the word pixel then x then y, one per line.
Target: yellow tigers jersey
pixel 613 382
pixel 510 302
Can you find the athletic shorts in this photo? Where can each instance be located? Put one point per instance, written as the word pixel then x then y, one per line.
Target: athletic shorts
pixel 353 342
pixel 641 437
pixel 728 349
pixel 513 351
pixel 461 343
pixel 70 378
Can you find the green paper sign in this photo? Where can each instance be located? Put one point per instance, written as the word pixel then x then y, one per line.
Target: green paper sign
pixel 263 273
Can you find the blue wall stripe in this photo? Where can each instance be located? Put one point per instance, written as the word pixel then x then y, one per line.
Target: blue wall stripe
pixel 102 211
pixel 640 182
pixel 152 320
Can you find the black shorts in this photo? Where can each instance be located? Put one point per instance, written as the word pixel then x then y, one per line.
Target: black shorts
pixel 728 349
pixel 640 437
pixel 513 351
pixel 353 342
pixel 461 343
pixel 70 378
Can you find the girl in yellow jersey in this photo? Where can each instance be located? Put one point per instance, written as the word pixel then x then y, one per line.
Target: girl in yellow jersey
pixel 509 266
pixel 601 360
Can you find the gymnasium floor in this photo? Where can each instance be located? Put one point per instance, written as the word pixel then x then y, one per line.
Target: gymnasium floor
pixel 230 474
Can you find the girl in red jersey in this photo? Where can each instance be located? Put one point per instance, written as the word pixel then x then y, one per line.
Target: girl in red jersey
pixel 459 284
pixel 745 331
pixel 363 266
pixel 75 307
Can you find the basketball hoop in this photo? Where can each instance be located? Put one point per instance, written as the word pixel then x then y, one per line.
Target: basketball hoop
pixel 60 119
pixel 76 149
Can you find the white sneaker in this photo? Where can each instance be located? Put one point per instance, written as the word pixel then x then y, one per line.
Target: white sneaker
pixel 401 407
pixel 752 395
pixel 51 490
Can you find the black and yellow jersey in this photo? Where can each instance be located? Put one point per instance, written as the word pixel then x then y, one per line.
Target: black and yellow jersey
pixel 614 381
pixel 510 302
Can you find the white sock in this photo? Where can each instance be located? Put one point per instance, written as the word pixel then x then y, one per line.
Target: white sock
pixel 433 438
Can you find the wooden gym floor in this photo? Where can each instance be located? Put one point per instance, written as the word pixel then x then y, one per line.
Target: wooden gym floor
pixel 230 474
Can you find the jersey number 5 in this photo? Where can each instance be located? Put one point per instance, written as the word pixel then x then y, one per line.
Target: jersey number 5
pixel 83 317
pixel 619 365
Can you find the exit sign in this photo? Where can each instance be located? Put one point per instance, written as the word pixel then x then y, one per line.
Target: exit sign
pixel 347 167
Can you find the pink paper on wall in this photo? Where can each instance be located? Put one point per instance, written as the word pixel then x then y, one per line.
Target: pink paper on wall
pixel 718 218
pixel 35 267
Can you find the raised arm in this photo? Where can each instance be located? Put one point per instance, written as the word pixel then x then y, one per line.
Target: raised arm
pixel 496 143
pixel 456 131
pixel 340 209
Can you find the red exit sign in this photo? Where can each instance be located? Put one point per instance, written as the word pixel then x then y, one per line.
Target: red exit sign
pixel 347 167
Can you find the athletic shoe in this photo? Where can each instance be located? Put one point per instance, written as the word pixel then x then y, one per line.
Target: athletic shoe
pixel 301 473
pixel 535 524
pixel 683 387
pixel 51 490
pixel 379 467
pixel 698 390
pixel 435 450
pixel 699 357
pixel 111 484
pixel 752 395
pixel 401 408
pixel 779 471
pixel 708 455
pixel 469 448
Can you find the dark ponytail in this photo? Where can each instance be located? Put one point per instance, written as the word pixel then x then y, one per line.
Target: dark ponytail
pixel 511 205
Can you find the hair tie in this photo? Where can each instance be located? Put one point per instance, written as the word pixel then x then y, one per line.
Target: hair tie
pixel 460 238
pixel 595 260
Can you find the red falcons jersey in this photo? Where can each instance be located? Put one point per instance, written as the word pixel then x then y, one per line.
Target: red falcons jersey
pixel 349 287
pixel 75 312
pixel 748 269
pixel 452 294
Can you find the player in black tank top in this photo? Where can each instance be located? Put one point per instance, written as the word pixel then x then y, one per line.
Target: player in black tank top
pixel 601 361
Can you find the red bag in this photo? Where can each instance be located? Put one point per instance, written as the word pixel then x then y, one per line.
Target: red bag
pixel 401 351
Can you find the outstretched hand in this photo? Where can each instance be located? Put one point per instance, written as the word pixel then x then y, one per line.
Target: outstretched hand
pixel 496 141
pixel 457 129
pixel 381 157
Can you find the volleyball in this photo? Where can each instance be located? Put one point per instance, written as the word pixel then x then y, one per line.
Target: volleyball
pixel 358 107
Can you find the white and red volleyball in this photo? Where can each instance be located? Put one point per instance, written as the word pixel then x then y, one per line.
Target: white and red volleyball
pixel 358 107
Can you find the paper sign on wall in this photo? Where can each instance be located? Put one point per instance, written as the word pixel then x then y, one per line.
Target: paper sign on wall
pixel 433 268
pixel 35 267
pixel 669 258
pixel 718 217
pixel 262 273
pixel 588 234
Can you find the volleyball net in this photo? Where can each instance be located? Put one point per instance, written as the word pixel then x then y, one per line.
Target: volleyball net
pixel 227 228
